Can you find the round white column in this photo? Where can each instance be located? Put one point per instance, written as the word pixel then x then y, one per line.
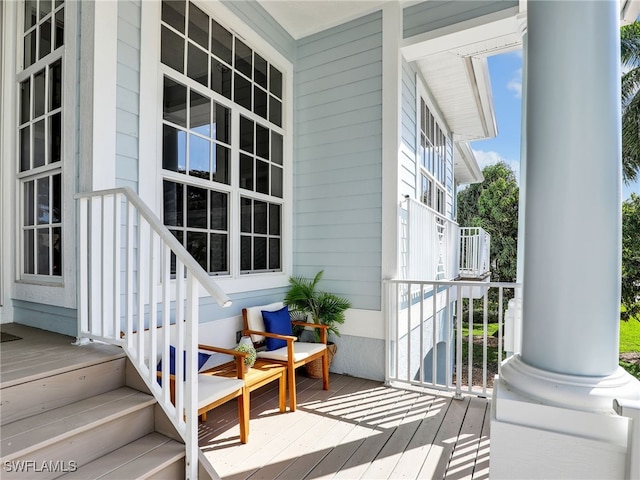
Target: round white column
pixel 571 296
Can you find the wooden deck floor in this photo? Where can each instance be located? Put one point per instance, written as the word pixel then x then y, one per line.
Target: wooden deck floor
pixel 357 429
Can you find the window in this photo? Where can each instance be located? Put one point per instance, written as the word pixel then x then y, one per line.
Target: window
pixel 39 136
pixel 222 144
pixel 435 149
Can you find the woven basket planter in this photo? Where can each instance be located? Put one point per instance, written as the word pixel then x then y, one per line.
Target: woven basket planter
pixel 314 368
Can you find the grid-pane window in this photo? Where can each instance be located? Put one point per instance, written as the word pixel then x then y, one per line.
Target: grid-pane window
pixel 40 138
pixel 222 142
pixel 434 149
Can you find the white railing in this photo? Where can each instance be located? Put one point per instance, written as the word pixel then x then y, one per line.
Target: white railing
pixel 426 341
pixel 128 296
pixel 431 243
pixel 475 246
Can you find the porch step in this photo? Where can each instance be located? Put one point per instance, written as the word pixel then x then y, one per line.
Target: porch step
pixel 152 456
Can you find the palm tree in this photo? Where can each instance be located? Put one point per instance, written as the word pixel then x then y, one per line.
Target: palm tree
pixel 630 55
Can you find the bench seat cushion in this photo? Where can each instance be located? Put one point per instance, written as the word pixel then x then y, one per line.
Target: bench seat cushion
pixel 301 350
pixel 212 388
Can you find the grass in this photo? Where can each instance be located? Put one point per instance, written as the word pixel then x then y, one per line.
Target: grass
pixel 630 336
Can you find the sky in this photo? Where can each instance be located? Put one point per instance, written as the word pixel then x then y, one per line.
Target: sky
pixel 505 71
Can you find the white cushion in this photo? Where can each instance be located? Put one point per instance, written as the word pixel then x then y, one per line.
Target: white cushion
pixel 212 388
pixel 301 350
pixel 255 320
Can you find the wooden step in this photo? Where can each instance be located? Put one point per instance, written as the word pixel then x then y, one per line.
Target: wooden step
pixel 152 456
pixel 80 432
pixel 36 396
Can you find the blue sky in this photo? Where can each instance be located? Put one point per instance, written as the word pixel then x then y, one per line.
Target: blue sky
pixel 506 83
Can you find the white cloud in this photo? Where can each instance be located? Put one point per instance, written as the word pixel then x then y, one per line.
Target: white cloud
pixel 515 84
pixel 491 158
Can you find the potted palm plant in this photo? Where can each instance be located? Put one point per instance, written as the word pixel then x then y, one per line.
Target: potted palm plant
pixel 306 302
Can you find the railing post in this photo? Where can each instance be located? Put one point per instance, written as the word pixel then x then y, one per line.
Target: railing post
pixel 191 392
pixel 458 395
pixel 83 266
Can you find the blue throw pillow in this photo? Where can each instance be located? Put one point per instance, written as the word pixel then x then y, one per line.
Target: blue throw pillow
pixel 202 359
pixel 277 322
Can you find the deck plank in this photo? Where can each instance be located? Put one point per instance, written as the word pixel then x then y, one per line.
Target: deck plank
pixel 465 451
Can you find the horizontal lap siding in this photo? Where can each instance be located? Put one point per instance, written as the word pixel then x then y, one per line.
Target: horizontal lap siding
pixel 433 14
pixel 128 94
pixel 338 159
pixel 408 181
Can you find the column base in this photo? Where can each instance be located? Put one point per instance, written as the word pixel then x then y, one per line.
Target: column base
pixel 548 425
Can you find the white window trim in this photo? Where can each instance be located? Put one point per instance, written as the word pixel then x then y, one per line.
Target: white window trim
pixel 59 292
pixel 151 142
pixel 422 92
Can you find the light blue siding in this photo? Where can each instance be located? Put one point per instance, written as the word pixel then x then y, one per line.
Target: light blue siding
pixel 262 23
pixel 47 317
pixel 128 94
pixel 338 159
pixel 408 181
pixel 434 14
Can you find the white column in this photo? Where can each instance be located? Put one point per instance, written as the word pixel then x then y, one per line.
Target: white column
pixel 552 412
pixel 573 138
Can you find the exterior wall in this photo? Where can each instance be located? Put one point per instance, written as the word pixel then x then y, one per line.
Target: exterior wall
pixel 408 167
pixel 128 94
pixel 337 150
pixel 431 15
pixel 47 317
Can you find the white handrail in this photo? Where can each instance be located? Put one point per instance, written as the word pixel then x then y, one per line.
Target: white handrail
pixel 120 238
pixel 425 332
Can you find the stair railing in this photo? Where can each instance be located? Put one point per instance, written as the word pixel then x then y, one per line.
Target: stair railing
pixel 139 288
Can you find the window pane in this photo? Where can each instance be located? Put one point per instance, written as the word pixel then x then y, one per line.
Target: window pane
pixel 221 42
pixel 246 134
pixel 220 78
pixel 25 148
pixel 25 99
pixel 220 170
pixel 45 38
pixel 262 141
pixel 274 219
pixel 173 13
pixel 245 253
pixel 197 65
pixel 38 144
pixel 259 217
pixel 39 87
pixel 260 253
pixel 55 86
pixel 30 49
pixel 275 81
pixel 59 29
pixel 262 177
pixel 172 50
pixel 199 157
pixel 246 172
pixel 45 8
pixel 242 91
pixel 197 247
pixel 56 199
pixel 28 216
pixel 173 203
pixel 42 186
pixel 243 58
pixel 174 149
pixel 276 148
pixel 200 114
pixel 260 102
pixel 175 102
pixel 245 214
pixel 222 124
pixel 218 204
pixel 56 241
pixel 198 26
pixel 274 254
pixel 218 253
pixel 260 70
pixel 29 264
pixel 275 111
pixel 55 138
pixel 43 239
pixel 30 13
pixel 276 181
pixel 197 203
